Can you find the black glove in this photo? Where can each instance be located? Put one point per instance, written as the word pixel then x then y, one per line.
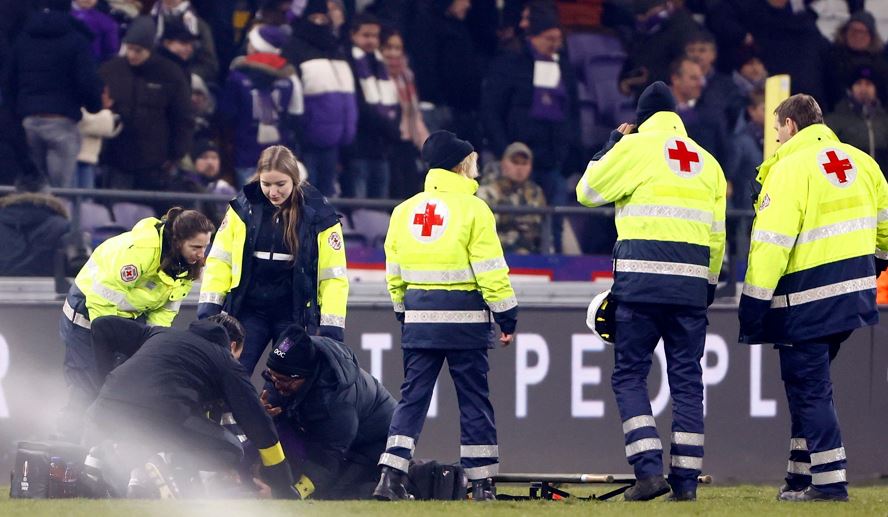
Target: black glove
pixel 881 265
pixel 615 137
pixel 400 317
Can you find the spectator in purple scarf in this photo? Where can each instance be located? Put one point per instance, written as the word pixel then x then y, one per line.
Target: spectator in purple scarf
pixel 378 114
pixel 106 32
pixel 529 95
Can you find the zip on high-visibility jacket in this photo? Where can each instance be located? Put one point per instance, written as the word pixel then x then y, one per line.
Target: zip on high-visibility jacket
pixel 445 268
pixel 320 276
pixel 670 213
pixel 123 278
pixel 821 215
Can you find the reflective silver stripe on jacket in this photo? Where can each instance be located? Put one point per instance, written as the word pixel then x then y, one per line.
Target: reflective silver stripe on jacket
pixel 267 255
pixel 662 268
pixel 822 458
pixel 798 444
pixel 227 419
pixel 882 254
pixel 399 440
pixel 687 462
pixel 592 195
pixel 489 265
pixel 218 253
pixel 115 296
pixel 831 230
pixel 438 277
pixel 487 471
pixel 332 272
pixel 398 306
pixel 217 298
pixel 673 212
pixel 826 478
pixel 759 293
pixel 645 444
pixel 683 438
pixel 479 451
pixel 393 461
pixel 392 269
pixel 822 293
pixel 173 306
pixel 718 227
pixel 446 317
pixel 637 422
pixel 779 239
pixel 882 216
pixel 798 467
pixel 76 318
pixel 713 278
pixel 331 320
pixel 503 305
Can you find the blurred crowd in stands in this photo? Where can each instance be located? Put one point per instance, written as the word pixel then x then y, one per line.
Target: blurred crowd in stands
pixel 172 95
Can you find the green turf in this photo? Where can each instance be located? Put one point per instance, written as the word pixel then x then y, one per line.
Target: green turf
pixel 746 501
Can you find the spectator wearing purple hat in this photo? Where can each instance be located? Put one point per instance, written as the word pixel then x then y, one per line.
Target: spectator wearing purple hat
pixel 106 38
pixel 262 99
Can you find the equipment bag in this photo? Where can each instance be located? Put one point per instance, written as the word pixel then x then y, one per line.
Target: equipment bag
pixel 430 480
pixel 46 470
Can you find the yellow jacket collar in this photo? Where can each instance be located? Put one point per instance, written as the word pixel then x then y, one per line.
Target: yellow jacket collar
pixel 812 135
pixel 667 121
pixel 442 180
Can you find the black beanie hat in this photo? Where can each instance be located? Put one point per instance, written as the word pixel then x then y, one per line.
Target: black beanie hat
pixel 295 355
pixel 542 18
pixel 141 32
pixel 443 150
pixel 315 7
pixel 202 146
pixel 654 98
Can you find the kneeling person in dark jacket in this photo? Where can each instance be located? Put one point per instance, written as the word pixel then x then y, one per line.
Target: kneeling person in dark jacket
pixel 157 399
pixel 328 411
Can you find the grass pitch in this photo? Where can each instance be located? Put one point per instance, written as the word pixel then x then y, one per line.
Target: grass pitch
pixel 724 501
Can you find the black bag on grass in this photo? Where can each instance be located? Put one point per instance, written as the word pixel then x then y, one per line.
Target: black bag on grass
pixel 430 480
pixel 46 470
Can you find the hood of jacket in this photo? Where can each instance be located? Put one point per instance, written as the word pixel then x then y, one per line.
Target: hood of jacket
pixel 443 180
pixel 211 331
pixel 264 62
pixel 47 201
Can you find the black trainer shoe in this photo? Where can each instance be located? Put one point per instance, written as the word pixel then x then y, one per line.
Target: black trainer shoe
pixel 391 486
pixel 647 489
pixel 811 494
pixel 483 490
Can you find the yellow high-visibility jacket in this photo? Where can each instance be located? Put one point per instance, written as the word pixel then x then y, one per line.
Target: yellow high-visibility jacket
pixel 123 278
pixel 670 213
pixel 821 215
pixel 445 268
pixel 320 277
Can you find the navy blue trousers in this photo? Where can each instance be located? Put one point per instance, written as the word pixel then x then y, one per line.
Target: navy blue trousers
pixel 80 378
pixel 816 455
pixel 261 328
pixel 479 453
pixel 683 330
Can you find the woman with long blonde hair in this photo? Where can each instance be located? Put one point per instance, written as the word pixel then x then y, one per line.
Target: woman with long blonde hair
pixel 278 259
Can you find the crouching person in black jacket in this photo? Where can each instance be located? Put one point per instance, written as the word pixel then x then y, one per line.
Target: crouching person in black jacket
pixel 332 416
pixel 152 408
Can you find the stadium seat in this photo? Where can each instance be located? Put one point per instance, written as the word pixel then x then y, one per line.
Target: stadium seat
pixel 372 224
pixel 128 214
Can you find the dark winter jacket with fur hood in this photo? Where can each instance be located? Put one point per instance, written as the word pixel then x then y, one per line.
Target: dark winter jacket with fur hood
pixel 32 227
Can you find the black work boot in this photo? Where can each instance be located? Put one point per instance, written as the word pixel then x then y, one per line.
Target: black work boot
pixel 647 489
pixel 811 494
pixel 483 490
pixel 391 486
